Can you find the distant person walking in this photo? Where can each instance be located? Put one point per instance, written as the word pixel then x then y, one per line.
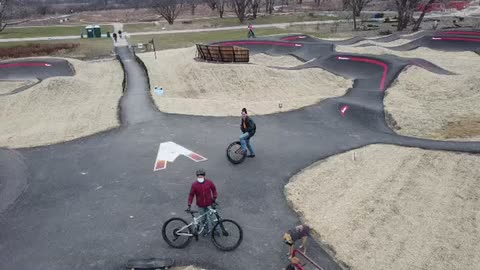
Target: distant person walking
pixel 114 35
pixel 250 31
pixel 120 33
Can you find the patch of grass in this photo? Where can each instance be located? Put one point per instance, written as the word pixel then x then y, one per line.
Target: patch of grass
pixel 35 50
pixel 225 22
pixel 47 31
pixel 268 19
pixel 84 49
pixel 182 40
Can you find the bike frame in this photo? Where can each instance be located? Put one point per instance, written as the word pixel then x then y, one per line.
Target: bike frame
pixel 305 257
pixel 196 221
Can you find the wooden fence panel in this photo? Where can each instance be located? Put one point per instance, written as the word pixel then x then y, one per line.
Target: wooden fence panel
pixel 223 53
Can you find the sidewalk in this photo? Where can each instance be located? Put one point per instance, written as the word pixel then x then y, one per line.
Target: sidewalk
pixel 121 40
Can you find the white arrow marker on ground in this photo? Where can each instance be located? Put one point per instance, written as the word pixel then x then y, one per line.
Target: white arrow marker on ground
pixel 169 151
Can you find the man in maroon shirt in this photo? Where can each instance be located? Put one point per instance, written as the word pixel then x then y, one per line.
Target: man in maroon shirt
pixel 206 193
pixel 250 31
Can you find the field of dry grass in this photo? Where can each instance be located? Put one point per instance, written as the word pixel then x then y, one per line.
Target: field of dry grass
pixel 394 207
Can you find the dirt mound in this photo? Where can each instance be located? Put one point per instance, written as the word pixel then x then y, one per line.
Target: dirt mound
pixel 201 88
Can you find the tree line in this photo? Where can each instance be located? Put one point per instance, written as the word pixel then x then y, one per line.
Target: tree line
pixel 243 9
pixel 248 9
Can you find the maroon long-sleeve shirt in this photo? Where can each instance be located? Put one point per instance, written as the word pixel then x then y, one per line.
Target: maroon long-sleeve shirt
pixel 206 193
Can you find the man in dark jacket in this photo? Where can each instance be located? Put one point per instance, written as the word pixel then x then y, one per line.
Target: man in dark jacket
pixel 206 193
pixel 291 236
pixel 248 129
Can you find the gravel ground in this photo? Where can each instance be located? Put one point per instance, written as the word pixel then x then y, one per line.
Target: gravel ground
pixel 394 207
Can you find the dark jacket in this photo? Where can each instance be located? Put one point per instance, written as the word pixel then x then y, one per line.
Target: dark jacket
pixel 205 192
pixel 251 127
pixel 298 232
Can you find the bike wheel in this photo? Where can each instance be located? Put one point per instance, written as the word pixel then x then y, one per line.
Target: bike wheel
pixel 227 235
pixel 235 153
pixel 170 229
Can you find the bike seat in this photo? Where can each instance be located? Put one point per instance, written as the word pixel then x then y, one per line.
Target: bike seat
pixel 191 211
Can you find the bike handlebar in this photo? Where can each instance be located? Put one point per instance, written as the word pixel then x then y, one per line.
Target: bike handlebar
pixel 214 206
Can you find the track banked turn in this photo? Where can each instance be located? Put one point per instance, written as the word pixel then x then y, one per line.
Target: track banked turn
pixel 38 68
pixel 94 203
pixel 363 104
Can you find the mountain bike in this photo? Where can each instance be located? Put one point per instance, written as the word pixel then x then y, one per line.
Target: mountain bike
pixel 226 234
pixel 235 153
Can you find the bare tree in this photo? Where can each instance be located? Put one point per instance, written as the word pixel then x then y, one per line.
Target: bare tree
pixel 193 5
pixel 420 19
pixel 4 12
pixel 168 9
pixel 269 6
pixel 220 7
pixel 241 8
pixel 318 2
pixel 405 10
pixel 356 6
pixel 42 10
pixel 255 7
pixel 212 4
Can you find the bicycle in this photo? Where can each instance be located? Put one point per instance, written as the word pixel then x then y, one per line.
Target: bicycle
pixel 181 232
pixel 235 153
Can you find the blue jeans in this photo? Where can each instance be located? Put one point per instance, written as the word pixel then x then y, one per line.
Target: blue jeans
pixel 245 142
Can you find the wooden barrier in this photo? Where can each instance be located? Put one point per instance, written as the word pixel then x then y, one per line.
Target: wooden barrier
pixel 222 53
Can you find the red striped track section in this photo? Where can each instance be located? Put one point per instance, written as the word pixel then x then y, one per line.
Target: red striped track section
pixel 457 39
pixel 32 64
pixel 293 37
pixel 469 33
pixel 370 61
pixel 275 43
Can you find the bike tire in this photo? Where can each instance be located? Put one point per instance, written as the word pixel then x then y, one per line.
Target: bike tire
pixel 165 233
pixel 232 156
pixel 221 227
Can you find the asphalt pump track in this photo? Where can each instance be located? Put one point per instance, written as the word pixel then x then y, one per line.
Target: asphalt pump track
pixel 95 202
pixel 34 69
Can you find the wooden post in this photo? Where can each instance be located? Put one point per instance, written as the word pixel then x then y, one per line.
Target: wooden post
pixel 154 50
pixel 220 53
